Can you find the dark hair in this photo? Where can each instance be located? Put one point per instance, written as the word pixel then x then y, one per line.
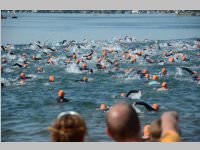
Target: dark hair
pixel 68 128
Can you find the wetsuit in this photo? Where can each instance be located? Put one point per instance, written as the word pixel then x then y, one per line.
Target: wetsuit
pixel 132 91
pixel 194 76
pixel 61 99
pixel 147 106
pixel 80 80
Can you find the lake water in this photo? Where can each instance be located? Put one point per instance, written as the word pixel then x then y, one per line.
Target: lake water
pixel 27 110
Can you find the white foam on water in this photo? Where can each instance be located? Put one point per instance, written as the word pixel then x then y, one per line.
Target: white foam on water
pixel 179 72
pixel 135 95
pixel 136 109
pixel 8 70
pixel 72 68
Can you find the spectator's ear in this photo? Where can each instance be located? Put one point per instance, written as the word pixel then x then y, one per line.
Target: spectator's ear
pixel 108 132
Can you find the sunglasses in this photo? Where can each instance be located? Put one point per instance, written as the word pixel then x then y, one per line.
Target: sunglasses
pixel 68 113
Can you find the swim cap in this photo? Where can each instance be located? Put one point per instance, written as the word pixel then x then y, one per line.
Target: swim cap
pixel 51 78
pixel 61 93
pixel 171 59
pixel 145 71
pixel 164 70
pixel 122 94
pixel 84 66
pixel 74 56
pixel 103 106
pixel 77 61
pixel 155 106
pixel 85 78
pixel 146 131
pixel 164 84
pixel 155 77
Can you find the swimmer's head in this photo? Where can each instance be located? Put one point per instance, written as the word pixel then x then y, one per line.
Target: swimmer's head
pixel 51 78
pixel 164 84
pixel 129 56
pixel 147 76
pixel 111 50
pixel 155 77
pixel 171 59
pixel 122 94
pixel 155 106
pixel 184 58
pixel 61 93
pixel 103 106
pixel 77 61
pixel 22 75
pixel 84 65
pixel 33 57
pixel 74 56
pixel 164 71
pixel 145 71
pixel 85 78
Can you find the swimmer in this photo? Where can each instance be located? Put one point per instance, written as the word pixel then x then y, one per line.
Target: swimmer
pixel 39 69
pixel 23 77
pixel 60 98
pixel 164 87
pixel 84 79
pixel 50 61
pixel 154 107
pixel 51 78
pixel 35 58
pixel 163 72
pixel 103 107
pixel 194 74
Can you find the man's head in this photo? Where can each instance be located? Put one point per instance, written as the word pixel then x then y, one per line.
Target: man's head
pixel 123 123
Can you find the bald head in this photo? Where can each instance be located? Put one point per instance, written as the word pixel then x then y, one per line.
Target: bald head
pixel 123 123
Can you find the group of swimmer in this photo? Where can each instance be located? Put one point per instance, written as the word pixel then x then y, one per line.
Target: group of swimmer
pixel 107 60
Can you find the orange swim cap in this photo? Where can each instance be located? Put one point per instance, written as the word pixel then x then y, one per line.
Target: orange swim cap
pixel 155 106
pixel 164 84
pixel 77 61
pixel 110 50
pixel 103 106
pixel 85 78
pixel 61 93
pixel 84 66
pixel 171 59
pixel 129 56
pixel 146 131
pixel 155 77
pixel 74 56
pixel 51 78
pixel 145 71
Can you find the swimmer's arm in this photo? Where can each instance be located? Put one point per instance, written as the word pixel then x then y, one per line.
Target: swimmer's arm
pixel 188 70
pixel 148 107
pixel 170 122
pixel 16 64
pixel 132 91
